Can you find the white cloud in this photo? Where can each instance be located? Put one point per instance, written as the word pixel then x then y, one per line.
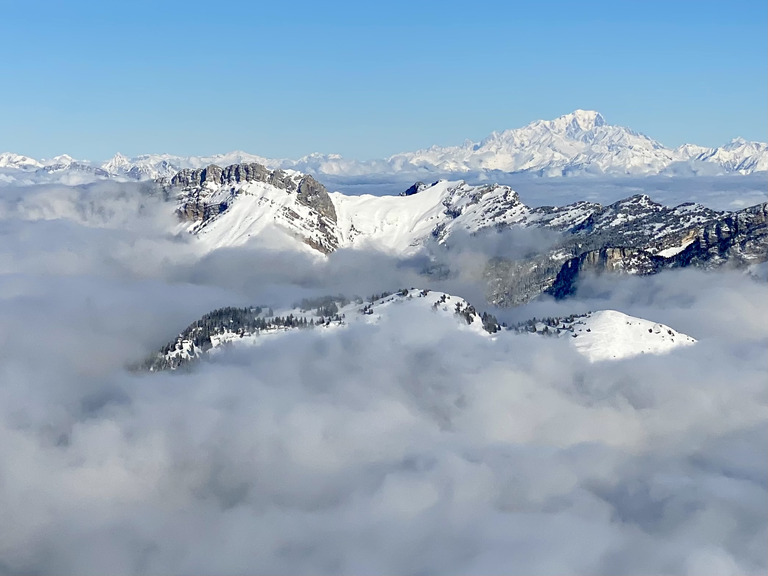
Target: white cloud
pixel 406 446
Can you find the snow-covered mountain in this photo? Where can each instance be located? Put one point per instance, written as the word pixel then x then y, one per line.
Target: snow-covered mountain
pixel 243 202
pixel 248 203
pixel 13 161
pixel 738 155
pixel 579 143
pixel 601 335
pixel 240 203
pixel 583 143
pixel 229 206
pixel 22 170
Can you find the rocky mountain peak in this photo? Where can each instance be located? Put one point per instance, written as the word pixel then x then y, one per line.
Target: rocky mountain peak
pixel 414 189
pixel 314 195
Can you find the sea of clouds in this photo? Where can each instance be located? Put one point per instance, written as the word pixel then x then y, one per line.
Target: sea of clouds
pixel 405 446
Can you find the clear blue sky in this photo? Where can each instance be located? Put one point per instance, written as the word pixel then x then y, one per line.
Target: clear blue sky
pixel 368 79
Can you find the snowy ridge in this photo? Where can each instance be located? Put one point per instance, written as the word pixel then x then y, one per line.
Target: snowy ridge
pixel 250 326
pixel 599 336
pixel 738 155
pixel 579 143
pixel 232 212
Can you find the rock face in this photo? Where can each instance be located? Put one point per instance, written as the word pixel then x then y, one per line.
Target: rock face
pixel 735 239
pixel 305 210
pixel 739 238
pixel 314 195
pixel 233 174
pixel 622 260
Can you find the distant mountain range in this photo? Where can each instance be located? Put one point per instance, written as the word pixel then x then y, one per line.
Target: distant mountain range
pixel 579 143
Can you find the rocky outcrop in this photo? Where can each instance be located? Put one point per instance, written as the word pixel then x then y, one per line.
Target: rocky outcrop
pixel 314 195
pixel 234 174
pixel 610 259
pixel 199 177
pixel 308 212
pixel 512 283
pixel 195 204
pixel 734 239
pixel 195 187
pixel 739 238
pixel 414 189
pixel 197 208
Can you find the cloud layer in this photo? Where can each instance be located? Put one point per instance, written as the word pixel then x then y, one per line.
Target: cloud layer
pixel 402 447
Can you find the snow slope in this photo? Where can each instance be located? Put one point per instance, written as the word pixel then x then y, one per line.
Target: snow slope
pixel 258 210
pixel 612 335
pixel 400 224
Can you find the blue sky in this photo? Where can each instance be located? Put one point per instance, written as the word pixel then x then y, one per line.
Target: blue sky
pixel 369 79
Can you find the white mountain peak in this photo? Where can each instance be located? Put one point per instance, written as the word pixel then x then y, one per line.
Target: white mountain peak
pixel 17 161
pixel 117 163
pixel 585 120
pixel 61 160
pixel 121 158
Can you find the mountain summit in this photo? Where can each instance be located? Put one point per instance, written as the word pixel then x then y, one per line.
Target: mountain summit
pixel 578 120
